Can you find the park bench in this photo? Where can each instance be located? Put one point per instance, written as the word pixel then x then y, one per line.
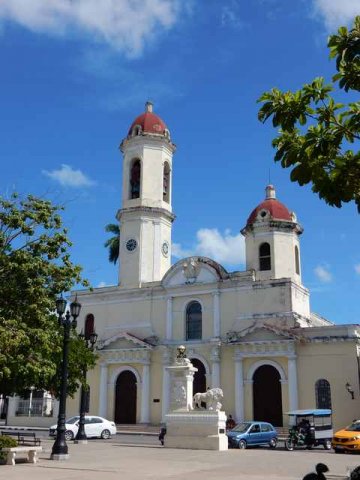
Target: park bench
pixel 9 434
pixel 28 438
pixel 30 451
pixel 23 438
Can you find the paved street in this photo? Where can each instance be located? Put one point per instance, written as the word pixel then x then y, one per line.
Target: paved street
pixel 135 457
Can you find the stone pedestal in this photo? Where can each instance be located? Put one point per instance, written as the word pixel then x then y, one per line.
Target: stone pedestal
pixel 181 385
pixel 186 427
pixel 196 430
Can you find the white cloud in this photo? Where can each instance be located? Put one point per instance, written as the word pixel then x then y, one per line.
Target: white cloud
pixel 126 25
pixel 102 284
pixel 224 248
pixel 230 15
pixel 336 12
pixel 68 177
pixel 357 268
pixel 323 274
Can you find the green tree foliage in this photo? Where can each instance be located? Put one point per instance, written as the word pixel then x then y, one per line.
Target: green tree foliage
pixel 6 442
pixel 318 136
pixel 113 243
pixel 34 267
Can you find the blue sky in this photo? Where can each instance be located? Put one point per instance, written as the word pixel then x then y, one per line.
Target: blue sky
pixel 74 75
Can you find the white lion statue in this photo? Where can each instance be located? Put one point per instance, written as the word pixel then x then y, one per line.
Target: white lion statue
pixel 211 397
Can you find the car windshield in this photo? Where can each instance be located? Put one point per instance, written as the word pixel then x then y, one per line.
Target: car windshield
pixel 242 427
pixel 72 420
pixel 354 427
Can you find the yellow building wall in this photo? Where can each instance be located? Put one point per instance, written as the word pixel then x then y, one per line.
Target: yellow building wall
pixel 336 362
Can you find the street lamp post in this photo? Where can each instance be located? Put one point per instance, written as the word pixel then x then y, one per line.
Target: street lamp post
pixel 89 340
pixel 60 449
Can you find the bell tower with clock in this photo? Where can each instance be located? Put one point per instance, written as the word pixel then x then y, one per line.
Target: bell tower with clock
pixel 146 215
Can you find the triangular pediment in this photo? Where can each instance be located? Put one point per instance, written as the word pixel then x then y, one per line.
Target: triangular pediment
pixel 124 341
pixel 262 332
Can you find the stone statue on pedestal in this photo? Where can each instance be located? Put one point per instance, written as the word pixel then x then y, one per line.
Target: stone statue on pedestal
pixel 187 424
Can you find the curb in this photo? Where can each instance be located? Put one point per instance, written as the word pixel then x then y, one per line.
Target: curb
pixel 130 432
pixel 45 429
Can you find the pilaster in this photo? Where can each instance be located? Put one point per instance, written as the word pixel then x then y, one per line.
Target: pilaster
pixel 103 390
pixel 239 387
pixel 145 395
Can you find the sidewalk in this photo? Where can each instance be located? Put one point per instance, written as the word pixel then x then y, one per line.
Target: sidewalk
pixel 98 459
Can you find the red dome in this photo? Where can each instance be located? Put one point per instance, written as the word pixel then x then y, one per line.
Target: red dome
pixel 275 209
pixel 149 122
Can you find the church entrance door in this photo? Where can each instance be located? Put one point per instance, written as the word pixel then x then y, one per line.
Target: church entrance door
pixel 199 385
pixel 125 398
pixel 267 402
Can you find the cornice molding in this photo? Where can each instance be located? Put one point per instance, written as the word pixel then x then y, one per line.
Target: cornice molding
pixel 146 211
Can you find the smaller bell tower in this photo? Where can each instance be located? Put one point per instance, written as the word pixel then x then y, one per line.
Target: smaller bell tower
pixel 146 215
pixel 272 240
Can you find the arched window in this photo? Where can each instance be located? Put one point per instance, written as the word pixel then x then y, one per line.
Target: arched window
pixel 136 130
pixel 193 321
pixel 166 183
pixel 264 257
pixel 297 260
pixel 89 325
pixel 135 179
pixel 323 394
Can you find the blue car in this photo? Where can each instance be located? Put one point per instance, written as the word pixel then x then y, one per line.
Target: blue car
pixel 252 433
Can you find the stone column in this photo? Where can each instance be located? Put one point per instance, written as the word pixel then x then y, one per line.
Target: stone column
pixel 145 395
pixel 165 384
pixel 216 314
pixel 103 390
pixel 215 367
pixel 169 320
pixel 239 388
pixel 292 381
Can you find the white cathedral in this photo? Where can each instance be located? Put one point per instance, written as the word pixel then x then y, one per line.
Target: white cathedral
pixel 250 332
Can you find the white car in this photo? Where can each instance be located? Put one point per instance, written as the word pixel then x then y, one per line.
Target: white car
pixel 94 427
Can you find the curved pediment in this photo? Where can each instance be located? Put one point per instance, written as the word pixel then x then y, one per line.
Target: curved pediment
pixel 192 270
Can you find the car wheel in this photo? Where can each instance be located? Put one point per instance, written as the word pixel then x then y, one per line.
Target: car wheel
pixel 273 443
pixel 289 445
pixel 242 444
pixel 105 434
pixel 69 435
pixel 327 445
pixel 336 450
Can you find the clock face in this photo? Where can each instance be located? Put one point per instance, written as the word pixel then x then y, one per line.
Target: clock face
pixel 165 249
pixel 131 244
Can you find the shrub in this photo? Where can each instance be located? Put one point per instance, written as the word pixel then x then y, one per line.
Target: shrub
pixel 6 442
